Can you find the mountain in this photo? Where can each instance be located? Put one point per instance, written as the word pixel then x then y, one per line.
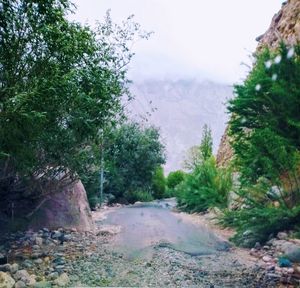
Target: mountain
pixel 180 108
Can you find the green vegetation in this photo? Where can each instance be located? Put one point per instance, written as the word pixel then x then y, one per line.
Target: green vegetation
pixel 259 223
pixel 174 178
pixel 197 154
pixel 159 183
pixel 133 155
pixel 206 186
pixel 61 83
pixel 265 129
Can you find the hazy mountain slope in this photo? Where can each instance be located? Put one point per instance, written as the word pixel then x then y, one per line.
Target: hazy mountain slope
pixel 182 108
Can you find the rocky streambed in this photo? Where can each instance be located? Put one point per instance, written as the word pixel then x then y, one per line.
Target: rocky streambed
pixel 71 259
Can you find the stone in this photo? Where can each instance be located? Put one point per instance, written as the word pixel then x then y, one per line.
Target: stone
pixel 56 235
pixel 284 262
pixel 267 258
pixel 291 251
pixel 14 268
pixel 24 276
pixel 38 261
pixel 63 280
pixel 74 209
pixel 53 275
pixel 42 284
pixel 282 236
pixel 20 284
pixel 39 241
pixel 5 268
pixel 27 263
pixel 6 281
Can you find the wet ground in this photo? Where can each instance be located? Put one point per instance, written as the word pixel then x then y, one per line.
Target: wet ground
pixel 143 227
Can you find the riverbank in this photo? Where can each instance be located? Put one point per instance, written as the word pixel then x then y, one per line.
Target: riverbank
pixel 72 259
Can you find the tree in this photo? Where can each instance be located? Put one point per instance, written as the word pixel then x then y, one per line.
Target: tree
pixel 196 155
pixel 175 178
pixel 265 123
pixel 159 183
pixel 206 143
pixel 132 157
pixel 60 84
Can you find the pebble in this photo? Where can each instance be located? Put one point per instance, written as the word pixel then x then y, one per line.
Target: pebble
pixel 14 268
pixel 267 258
pixel 20 284
pixel 63 280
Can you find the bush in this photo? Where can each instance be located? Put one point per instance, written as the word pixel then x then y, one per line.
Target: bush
pixel 206 187
pixel 137 195
pixel 175 178
pixel 159 183
pixel 257 224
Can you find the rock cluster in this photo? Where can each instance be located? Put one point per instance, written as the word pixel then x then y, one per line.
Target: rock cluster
pixel 62 258
pixel 38 259
pixel 280 258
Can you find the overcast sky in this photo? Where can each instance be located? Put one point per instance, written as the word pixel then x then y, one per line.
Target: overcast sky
pixel 193 38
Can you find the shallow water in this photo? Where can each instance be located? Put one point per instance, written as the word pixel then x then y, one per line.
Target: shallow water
pixel 147 226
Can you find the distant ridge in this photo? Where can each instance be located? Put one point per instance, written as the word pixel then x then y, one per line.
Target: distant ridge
pixel 180 108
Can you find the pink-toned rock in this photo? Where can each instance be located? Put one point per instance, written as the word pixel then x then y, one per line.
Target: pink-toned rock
pixel 267 258
pixel 68 209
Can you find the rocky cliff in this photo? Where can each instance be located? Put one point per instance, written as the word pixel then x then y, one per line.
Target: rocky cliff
pixel 285 26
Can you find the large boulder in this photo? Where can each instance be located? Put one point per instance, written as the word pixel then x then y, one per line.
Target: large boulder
pixel 67 209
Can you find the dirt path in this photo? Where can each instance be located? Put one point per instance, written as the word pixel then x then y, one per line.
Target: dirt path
pixel 164 265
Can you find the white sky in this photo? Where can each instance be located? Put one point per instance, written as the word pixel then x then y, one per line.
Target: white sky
pixel 193 38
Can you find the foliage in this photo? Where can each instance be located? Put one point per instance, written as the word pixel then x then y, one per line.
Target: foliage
pixel 264 128
pixel 265 122
pixel 159 183
pixel 60 82
pixel 207 186
pixel 197 154
pixel 206 143
pixel 133 154
pixel 137 195
pixel 258 223
pixel 175 178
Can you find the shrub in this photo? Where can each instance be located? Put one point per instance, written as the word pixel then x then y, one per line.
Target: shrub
pixel 137 195
pixel 206 187
pixel 257 224
pixel 175 178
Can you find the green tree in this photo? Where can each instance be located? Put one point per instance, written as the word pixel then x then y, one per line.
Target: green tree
pixel 60 83
pixel 265 123
pixel 133 155
pixel 196 155
pixel 206 143
pixel 174 178
pixel 159 183
pixel 206 185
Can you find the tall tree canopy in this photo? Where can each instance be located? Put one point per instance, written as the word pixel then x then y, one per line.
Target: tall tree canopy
pixel 60 84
